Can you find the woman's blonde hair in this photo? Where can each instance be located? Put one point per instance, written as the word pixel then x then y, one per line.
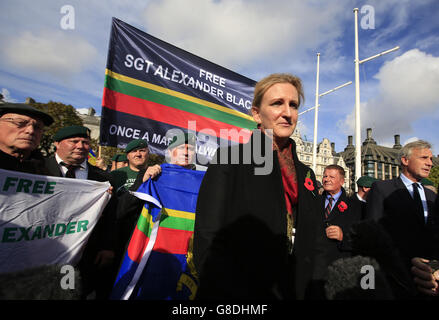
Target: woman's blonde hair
pixel 263 85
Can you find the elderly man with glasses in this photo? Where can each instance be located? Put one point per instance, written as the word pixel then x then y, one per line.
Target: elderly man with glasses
pixel 21 128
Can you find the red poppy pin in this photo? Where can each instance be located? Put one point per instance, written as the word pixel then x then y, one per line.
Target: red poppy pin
pixel 308 183
pixel 342 206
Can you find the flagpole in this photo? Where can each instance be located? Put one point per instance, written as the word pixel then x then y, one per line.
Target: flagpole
pixel 316 115
pixel 357 61
pixel 307 110
pixel 99 151
pixel 357 106
pixel 316 107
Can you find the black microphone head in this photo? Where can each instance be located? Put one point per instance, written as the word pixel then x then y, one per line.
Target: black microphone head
pixel 41 283
pixel 357 278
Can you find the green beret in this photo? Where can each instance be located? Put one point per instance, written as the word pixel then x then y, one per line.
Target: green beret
pixel 427 182
pixel 136 144
pixel 365 181
pixel 70 132
pixel 115 157
pixel 188 138
pixel 122 158
pixel 27 110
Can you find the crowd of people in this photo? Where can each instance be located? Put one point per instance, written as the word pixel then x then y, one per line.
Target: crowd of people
pixel 276 236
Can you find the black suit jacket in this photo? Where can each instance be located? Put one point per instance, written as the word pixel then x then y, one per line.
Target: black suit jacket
pixel 104 235
pixel 240 242
pixel 358 205
pixel 34 164
pixel 390 203
pixel 332 249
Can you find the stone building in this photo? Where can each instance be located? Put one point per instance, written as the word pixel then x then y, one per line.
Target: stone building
pixel 91 121
pixel 377 161
pixel 326 155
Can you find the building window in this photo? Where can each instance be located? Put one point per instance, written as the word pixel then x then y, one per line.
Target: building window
pixel 394 171
pixel 380 170
pixel 370 169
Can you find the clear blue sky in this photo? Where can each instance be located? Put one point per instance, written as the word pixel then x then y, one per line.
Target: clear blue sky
pixel 399 91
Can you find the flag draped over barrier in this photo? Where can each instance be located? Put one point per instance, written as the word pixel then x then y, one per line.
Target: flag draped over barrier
pixel 156 264
pixel 152 87
pixel 46 220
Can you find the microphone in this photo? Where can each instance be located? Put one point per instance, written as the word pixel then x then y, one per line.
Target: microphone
pixel 41 283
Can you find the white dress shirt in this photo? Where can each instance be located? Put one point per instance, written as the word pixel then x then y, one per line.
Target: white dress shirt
pixel 80 173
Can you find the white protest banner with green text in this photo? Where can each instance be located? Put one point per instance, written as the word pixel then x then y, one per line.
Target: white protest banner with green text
pixel 46 220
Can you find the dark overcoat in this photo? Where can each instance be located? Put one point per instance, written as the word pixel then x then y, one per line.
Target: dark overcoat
pixel 343 214
pixel 240 241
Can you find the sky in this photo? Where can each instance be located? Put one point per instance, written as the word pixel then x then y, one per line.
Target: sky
pixel 47 57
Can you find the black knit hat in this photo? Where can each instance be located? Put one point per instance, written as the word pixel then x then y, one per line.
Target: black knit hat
pixel 27 110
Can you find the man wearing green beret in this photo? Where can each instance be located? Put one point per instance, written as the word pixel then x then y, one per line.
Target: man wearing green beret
pixel 119 161
pixel 70 160
pixel 359 199
pixel 137 153
pixel 21 129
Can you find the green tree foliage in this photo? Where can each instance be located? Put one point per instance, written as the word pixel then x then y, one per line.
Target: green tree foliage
pixel 106 152
pixel 434 176
pixel 64 115
pixel 155 159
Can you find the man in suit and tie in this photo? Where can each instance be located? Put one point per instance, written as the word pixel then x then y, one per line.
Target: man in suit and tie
pixel 406 209
pixel 70 160
pixel 338 215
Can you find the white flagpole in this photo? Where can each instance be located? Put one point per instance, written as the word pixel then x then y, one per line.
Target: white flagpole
pixel 357 99
pixel 316 115
pixel 357 106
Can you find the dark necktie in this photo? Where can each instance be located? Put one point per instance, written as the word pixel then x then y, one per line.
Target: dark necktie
pixel 418 201
pixel 329 207
pixel 70 171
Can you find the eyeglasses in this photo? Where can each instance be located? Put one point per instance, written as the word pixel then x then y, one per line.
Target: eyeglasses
pixel 21 123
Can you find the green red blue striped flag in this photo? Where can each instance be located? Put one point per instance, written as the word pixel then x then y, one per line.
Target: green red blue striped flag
pixel 157 264
pixel 91 157
pixel 152 87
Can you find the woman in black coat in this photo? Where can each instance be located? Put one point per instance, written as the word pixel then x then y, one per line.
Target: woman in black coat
pixel 258 215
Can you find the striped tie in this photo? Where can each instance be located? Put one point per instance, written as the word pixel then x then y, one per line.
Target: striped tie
pixel 329 207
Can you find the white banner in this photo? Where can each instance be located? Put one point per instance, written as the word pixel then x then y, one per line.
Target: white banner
pixel 46 220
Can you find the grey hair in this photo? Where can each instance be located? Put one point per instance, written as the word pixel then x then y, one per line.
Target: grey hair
pixel 406 151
